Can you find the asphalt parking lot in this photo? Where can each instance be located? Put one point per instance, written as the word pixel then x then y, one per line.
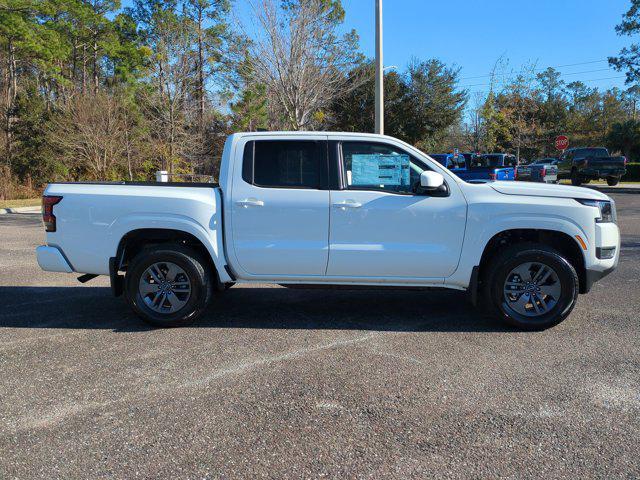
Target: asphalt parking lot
pixel 279 383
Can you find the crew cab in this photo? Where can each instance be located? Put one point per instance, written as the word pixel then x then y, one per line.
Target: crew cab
pixel 582 165
pixel 333 209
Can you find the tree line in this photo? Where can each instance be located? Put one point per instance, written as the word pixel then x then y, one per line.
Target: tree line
pixel 93 91
pixel 534 107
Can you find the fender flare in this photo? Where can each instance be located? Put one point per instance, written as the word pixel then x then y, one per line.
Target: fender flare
pixel 475 244
pixel 211 239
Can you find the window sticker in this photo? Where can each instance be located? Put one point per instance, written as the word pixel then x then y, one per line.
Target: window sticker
pixel 377 169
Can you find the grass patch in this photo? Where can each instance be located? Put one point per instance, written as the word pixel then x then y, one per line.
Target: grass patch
pixel 25 202
pixel 601 182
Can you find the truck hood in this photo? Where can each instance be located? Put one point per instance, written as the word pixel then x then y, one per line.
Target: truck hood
pixel 547 190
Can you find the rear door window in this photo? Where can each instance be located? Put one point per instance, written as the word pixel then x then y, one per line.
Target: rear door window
pixel 285 164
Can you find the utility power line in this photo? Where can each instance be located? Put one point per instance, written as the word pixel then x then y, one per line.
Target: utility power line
pixel 542 69
pixel 583 81
pixel 509 75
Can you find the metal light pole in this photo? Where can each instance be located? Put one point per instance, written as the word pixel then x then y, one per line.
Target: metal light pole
pixel 379 72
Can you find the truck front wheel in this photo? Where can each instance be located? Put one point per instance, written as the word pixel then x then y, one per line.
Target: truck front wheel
pixel 168 285
pixel 531 286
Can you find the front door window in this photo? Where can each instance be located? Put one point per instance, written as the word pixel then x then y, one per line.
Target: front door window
pixel 381 167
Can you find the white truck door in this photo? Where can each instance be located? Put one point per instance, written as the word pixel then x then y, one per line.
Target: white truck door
pixel 280 207
pixel 382 226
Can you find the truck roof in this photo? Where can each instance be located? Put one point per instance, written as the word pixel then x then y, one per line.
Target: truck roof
pixel 308 133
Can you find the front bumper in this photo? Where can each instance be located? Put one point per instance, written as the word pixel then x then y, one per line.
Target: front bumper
pixel 607 237
pixel 594 275
pixel 51 259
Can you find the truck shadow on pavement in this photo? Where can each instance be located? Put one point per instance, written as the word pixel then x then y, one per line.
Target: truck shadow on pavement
pixel 255 308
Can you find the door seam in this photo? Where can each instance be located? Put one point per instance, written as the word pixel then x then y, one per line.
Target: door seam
pixel 326 267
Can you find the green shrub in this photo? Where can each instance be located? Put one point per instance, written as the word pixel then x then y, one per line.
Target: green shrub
pixel 633 172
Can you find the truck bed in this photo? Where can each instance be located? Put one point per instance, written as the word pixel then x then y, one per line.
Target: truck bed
pixel 146 184
pixel 92 217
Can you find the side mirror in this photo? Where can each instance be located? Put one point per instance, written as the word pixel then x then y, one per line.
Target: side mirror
pixel 431 180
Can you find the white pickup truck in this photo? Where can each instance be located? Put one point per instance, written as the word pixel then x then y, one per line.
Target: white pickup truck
pixel 333 209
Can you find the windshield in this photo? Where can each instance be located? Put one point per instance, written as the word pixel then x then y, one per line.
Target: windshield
pixel 595 152
pixel 486 161
pixel 544 161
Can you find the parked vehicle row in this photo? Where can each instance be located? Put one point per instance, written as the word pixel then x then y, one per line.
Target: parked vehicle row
pixel 335 209
pixel 580 165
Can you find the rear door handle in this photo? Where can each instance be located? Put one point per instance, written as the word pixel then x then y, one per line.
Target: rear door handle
pixel 347 204
pixel 250 202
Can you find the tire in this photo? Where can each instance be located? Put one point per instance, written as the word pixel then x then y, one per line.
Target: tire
pixel 177 308
pixel 576 181
pixel 544 308
pixel 613 181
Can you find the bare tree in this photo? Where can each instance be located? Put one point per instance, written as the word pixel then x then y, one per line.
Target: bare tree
pixel 298 54
pixel 491 121
pixel 90 134
pixel 522 108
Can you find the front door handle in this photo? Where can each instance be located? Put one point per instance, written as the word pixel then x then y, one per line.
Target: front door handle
pixel 250 202
pixel 347 204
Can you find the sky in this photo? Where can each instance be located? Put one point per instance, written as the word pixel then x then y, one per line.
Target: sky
pixel 574 36
pixel 474 34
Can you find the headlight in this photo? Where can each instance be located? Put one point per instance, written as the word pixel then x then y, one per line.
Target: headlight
pixel 607 210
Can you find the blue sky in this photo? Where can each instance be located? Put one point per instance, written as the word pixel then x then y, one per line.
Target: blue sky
pixel 473 34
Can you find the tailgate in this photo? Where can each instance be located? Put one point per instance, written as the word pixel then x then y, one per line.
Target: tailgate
pixel 609 163
pixel 506 173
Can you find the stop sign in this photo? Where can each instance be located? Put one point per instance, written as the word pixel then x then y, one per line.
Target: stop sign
pixel 562 142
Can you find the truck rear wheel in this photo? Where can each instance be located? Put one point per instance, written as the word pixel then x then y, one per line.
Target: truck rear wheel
pixel 613 181
pixel 168 285
pixel 531 286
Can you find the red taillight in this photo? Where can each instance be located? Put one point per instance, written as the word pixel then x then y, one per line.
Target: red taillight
pixel 49 219
pixel 515 173
pixel 544 172
pixel 492 176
